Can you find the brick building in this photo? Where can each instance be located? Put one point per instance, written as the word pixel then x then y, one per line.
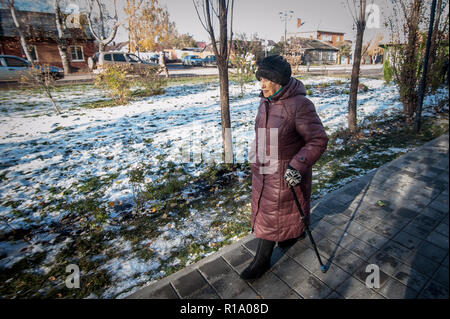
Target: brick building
pixel 330 37
pixel 41 34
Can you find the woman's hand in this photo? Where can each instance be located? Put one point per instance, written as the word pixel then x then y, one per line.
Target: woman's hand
pixel 292 176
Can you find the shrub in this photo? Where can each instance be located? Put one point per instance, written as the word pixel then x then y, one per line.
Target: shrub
pixel 113 79
pixel 388 72
pixel 150 80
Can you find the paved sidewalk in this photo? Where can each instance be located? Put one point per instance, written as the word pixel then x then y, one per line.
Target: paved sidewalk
pixel 405 235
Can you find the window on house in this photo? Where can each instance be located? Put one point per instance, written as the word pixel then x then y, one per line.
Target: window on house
pixel 76 53
pixel 107 57
pixel 33 53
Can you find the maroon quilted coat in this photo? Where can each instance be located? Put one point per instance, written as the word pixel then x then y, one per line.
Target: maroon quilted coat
pixel 301 141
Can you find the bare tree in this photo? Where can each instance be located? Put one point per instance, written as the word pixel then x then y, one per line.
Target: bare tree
pixel 407 50
pixel 99 26
pixel 222 53
pixel 360 22
pixel 61 40
pixel 23 42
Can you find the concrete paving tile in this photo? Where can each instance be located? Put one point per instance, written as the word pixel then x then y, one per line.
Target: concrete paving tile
pixel 291 272
pixel 434 290
pixel 417 229
pixel 441 276
pixel 373 239
pixel 193 284
pixel 334 295
pixel 338 220
pixel 407 240
pixel 411 278
pixel 438 240
pixel 326 247
pixel 440 205
pixel 422 264
pixel 308 259
pixel 312 288
pixel 356 229
pixel 393 289
pixel 239 258
pixel 397 250
pixel 335 236
pixel 348 261
pixel 405 213
pixel 426 222
pixel 333 277
pixel 431 251
pixel 203 293
pixel 164 292
pixel 225 280
pixel 445 262
pixel 433 213
pixel 351 288
pixel 385 262
pixel 360 248
pixel 273 287
pixel 442 228
pixel 297 249
pixel 386 230
pixel 323 227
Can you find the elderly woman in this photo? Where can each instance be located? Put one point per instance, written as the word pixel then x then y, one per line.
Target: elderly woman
pixel 301 140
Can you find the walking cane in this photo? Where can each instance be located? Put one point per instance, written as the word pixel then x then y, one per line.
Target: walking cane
pixel 323 267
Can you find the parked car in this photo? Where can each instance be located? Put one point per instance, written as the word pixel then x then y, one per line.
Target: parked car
pixel 192 60
pixel 14 68
pixel 210 60
pixel 121 58
pixel 154 58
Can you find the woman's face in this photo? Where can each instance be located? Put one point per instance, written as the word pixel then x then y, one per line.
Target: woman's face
pixel 268 87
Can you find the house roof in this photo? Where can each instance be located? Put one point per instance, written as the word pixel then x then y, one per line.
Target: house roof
pixel 38 25
pixel 332 32
pixel 312 44
pixel 321 31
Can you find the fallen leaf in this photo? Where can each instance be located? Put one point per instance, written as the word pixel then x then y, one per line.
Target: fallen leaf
pixel 381 203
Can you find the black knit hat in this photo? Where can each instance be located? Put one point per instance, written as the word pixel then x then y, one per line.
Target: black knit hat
pixel 275 69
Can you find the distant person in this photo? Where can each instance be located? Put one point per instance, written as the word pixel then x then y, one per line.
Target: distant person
pixel 308 61
pixel 162 63
pixel 301 140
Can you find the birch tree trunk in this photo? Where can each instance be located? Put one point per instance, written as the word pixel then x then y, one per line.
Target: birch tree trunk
pixel 360 26
pixel 62 43
pixel 222 54
pixel 23 41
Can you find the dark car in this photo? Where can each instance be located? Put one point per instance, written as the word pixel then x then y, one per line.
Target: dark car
pixel 210 60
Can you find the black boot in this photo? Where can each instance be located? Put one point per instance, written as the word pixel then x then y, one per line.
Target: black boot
pixel 289 242
pixel 261 262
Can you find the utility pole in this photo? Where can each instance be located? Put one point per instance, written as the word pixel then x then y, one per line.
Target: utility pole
pixel 285 16
pixel 424 73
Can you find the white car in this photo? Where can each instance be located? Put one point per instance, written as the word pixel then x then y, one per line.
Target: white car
pixel 14 68
pixel 121 58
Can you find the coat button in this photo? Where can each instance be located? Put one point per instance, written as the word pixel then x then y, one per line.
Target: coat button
pixel 302 159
